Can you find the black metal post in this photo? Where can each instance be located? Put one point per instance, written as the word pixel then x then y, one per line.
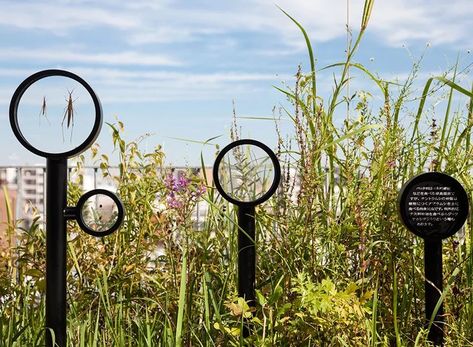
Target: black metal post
pixel 433 288
pixel 246 254
pixel 246 223
pixel 246 258
pixel 56 242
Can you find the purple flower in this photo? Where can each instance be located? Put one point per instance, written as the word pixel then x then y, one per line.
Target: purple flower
pixel 169 181
pixel 182 183
pixel 199 191
pixel 181 190
pixel 173 202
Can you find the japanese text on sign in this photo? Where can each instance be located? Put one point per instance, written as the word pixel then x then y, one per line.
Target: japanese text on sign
pixel 429 205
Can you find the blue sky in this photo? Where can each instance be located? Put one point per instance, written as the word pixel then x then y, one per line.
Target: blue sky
pixel 173 68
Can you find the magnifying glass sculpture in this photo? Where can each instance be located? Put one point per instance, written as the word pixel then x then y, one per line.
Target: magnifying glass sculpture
pixel 246 173
pixel 56 114
pixel 434 206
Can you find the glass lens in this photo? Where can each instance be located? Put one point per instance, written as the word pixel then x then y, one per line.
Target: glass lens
pixel 99 213
pixel 56 114
pixel 246 173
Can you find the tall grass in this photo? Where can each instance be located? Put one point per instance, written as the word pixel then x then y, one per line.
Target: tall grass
pixel 335 265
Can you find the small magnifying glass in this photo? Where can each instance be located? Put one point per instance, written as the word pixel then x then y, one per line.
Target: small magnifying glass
pixel 98 212
pixel 246 173
pixel 57 115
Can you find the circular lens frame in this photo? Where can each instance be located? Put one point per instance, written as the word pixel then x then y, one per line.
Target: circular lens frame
pixel 443 180
pixel 274 160
pixel 15 101
pixel 120 209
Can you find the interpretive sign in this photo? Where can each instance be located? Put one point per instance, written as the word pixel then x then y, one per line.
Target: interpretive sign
pixel 434 206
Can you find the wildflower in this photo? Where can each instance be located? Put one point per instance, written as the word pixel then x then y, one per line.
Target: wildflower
pixel 199 191
pixel 169 181
pixel 173 201
pixel 181 183
pixel 182 191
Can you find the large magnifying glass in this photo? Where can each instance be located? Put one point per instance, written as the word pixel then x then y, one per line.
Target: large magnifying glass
pixel 246 173
pixel 57 115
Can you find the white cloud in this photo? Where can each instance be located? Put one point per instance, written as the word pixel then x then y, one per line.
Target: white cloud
pixel 392 22
pixel 59 17
pixel 114 75
pixel 152 86
pixel 167 34
pixel 121 85
pixel 220 27
pixel 156 22
pixel 435 21
pixel 57 55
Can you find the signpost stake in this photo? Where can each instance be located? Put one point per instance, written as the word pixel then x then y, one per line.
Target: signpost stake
pixel 57 211
pixel 246 254
pixel 246 202
pixel 56 241
pixel 433 288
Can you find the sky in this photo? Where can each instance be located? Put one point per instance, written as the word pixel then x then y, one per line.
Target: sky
pixel 176 69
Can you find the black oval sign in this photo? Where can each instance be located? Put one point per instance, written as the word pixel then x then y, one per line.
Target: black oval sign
pixel 433 205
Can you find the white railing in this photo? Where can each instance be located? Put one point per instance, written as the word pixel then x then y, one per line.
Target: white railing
pixel 26 188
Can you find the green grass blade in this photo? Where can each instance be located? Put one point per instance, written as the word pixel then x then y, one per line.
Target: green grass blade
pixel 182 301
